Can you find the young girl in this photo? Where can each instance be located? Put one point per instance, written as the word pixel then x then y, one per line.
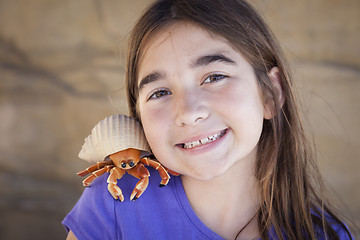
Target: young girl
pixel 211 89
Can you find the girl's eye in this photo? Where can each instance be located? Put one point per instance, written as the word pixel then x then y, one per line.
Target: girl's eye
pixel 159 94
pixel 214 78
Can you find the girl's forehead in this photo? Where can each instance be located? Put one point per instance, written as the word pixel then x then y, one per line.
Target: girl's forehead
pixel 179 34
pixel 156 39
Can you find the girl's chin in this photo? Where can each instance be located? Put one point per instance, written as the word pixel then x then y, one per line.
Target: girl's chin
pixel 204 174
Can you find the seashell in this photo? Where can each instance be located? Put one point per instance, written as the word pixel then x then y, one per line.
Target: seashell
pixel 113 134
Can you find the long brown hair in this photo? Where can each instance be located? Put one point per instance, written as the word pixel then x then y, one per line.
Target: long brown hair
pixel 290 204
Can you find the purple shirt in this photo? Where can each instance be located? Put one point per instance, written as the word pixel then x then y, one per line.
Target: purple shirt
pixel 160 213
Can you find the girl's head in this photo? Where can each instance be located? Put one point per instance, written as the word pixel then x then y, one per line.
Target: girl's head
pixel 238 23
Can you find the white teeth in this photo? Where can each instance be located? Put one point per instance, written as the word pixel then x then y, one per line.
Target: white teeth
pixel 204 140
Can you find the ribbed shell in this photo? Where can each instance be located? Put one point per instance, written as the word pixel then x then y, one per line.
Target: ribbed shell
pixel 111 135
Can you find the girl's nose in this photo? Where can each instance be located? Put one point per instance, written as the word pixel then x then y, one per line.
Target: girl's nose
pixel 190 110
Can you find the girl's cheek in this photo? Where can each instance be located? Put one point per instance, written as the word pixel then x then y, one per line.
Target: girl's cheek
pixel 154 120
pixel 155 109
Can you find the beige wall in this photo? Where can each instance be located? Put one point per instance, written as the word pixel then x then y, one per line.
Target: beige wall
pixel 62 70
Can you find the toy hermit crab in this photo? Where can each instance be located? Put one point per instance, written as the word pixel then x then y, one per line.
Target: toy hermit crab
pixel 116 144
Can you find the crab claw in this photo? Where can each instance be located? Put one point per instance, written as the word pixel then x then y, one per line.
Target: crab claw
pixel 115 191
pixel 139 188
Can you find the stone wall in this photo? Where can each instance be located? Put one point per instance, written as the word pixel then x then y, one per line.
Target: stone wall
pixel 62 70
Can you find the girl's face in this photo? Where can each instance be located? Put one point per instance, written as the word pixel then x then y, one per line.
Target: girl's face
pixel 199 102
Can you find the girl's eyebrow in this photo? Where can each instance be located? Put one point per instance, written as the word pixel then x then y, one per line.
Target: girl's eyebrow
pixel 152 77
pixel 208 59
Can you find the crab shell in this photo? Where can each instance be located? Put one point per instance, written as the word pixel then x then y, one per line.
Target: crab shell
pixel 113 134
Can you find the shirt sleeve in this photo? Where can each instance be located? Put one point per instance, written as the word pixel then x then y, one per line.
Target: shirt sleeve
pixel 93 216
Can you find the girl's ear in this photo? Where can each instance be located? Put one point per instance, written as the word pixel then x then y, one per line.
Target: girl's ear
pixel 269 108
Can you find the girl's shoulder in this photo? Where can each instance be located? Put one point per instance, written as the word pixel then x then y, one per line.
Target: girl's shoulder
pixel 97 210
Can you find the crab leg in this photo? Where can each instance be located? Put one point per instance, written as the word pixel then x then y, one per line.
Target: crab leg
pixel 115 174
pixel 87 181
pixel 139 171
pixel 97 166
pixel 172 172
pixel 162 171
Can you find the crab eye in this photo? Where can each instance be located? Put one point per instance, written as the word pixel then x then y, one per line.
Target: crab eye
pixel 123 165
pixel 131 164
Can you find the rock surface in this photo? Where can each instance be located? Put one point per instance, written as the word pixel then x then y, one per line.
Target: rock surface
pixel 62 70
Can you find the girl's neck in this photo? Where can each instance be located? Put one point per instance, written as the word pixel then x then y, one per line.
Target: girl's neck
pixel 227 202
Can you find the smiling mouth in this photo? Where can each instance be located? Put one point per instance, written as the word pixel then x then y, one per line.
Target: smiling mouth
pixel 201 142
